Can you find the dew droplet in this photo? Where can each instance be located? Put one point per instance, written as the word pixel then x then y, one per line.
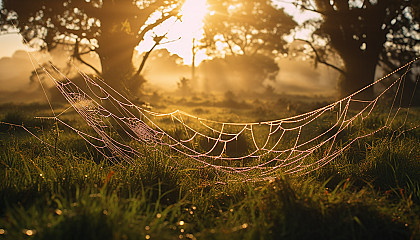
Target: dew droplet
pixel 189 235
pixel 147 236
pixel 181 223
pixel 29 232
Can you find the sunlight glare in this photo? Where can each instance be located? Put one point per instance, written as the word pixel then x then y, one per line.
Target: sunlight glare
pixel 191 27
pixel 193 13
pixel 182 32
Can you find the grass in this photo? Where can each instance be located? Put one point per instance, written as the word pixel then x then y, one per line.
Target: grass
pixel 372 191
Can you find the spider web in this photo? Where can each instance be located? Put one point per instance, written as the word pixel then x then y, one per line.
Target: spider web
pixel 250 151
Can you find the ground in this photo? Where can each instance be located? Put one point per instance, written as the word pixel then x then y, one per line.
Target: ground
pixel 66 190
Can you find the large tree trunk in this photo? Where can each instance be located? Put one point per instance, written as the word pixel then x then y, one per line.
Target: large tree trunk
pixel 116 55
pixel 358 36
pixel 359 73
pixel 116 47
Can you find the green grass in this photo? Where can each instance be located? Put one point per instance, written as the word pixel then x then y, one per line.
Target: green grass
pixel 372 191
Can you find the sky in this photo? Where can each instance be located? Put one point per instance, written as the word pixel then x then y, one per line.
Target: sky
pixel 9 44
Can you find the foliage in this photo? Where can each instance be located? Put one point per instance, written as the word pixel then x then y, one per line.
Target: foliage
pixel 363 34
pixel 249 35
pixel 108 28
pixel 247 27
pixel 184 86
pixel 239 73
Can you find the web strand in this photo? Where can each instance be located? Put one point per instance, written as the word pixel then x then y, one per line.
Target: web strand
pixel 249 151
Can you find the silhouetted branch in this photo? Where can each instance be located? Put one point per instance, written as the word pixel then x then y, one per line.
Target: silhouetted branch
pixel 302 6
pixel 146 56
pixel 229 45
pixel 155 24
pixel 86 52
pixel 320 59
pixel 77 55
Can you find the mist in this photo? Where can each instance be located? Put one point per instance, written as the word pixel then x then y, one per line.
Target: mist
pixel 163 73
pixel 15 84
pixel 20 84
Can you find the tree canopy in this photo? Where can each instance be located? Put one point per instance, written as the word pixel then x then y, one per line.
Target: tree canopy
pixel 246 27
pixel 364 34
pixel 112 29
pixel 249 35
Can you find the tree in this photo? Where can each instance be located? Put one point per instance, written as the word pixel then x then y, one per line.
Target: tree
pixel 112 29
pixel 246 32
pixel 364 33
pixel 238 73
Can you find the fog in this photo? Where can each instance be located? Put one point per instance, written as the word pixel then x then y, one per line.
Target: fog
pixel 301 77
pixel 163 72
pixel 15 84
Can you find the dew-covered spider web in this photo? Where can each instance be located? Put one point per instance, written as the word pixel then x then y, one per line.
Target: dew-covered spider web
pixel 249 151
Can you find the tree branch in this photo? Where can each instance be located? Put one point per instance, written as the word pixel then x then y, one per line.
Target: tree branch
pixel 320 59
pixel 226 40
pixel 302 6
pixel 77 55
pixel 312 10
pixel 157 40
pixel 88 51
pixel 146 56
pixel 155 24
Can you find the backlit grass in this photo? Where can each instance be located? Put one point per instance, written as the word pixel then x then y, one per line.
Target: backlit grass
pixel 369 192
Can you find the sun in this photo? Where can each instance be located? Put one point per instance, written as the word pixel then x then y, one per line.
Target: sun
pixel 182 32
pixel 193 13
pixel 190 28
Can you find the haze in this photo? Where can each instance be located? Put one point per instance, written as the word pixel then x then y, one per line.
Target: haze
pixel 171 62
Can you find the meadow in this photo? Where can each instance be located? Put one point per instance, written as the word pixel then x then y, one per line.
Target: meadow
pixel 69 191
